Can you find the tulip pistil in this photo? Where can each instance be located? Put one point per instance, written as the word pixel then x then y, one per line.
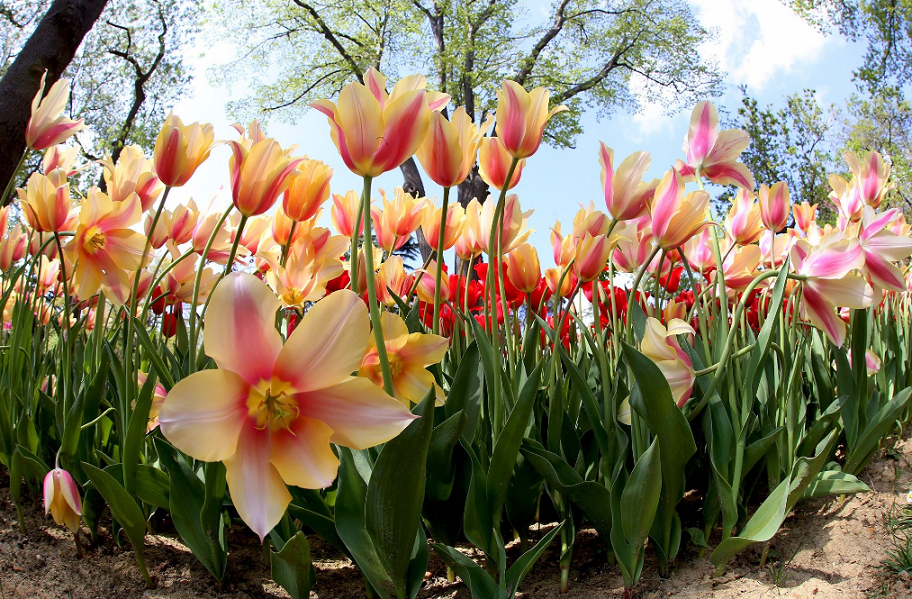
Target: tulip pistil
pixel 94 240
pixel 272 408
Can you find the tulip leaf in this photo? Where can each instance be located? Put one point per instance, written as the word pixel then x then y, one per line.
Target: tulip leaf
pixel 480 583
pixel 186 493
pixel 124 508
pixel 525 562
pixel 834 482
pixel 74 418
pixel 652 400
pixel 466 391
pixel 590 403
pixel 760 354
pixel 136 433
pixel 768 518
pixel 324 526
pixel 441 469
pixel 292 568
pixel 634 502
pixel 878 428
pixel 506 448
pixel 395 494
pixel 349 512
pixel 32 464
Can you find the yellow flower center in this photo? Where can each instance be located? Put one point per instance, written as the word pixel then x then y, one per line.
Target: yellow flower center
pixel 94 240
pixel 272 406
pixel 293 297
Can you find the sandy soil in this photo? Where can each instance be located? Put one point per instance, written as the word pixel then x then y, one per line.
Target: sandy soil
pixel 837 549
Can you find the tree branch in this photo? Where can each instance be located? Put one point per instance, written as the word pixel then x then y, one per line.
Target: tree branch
pixel 331 38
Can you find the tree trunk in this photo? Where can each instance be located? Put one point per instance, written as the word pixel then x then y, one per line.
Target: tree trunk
pixel 51 47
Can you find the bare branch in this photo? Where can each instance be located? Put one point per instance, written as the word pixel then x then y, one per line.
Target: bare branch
pixel 331 38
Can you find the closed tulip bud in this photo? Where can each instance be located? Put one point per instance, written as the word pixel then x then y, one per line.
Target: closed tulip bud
pixel 182 221
pixel 523 268
pixel 392 279
pixel 46 127
pixel 774 206
pixel 376 132
pixel 514 231
pixel 676 217
pixel 180 149
pixel 589 220
pixel 521 118
pixel 591 257
pixel 158 237
pixel 308 188
pixel 449 148
pixel 45 201
pixel 4 220
pixel 259 175
pixel 626 195
pixel 494 163
pixel 804 214
pixel 344 213
pixel 743 220
pixel 61 498
pixel 426 285
pixel 455 221
pixel 132 173
pixel 563 248
pixel 553 278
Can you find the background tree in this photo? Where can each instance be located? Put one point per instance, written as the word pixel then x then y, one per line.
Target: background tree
pixel 592 54
pixel 128 71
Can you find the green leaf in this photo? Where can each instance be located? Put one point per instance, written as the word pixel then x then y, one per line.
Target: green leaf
pixel 186 493
pixel 465 392
pixel 123 506
pixel 440 467
pixel 136 433
pixel 590 403
pixel 292 568
pixel 154 353
pixel 834 482
pixel 760 354
pixel 634 504
pixel 869 440
pixel 349 513
pixel 506 449
pixel 480 583
pixel 33 466
pixel 395 494
pixel 525 562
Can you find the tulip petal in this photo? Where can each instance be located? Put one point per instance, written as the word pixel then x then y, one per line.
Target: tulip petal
pixel 729 173
pixel 360 119
pixel 257 490
pixel 822 315
pixel 884 273
pixel 302 454
pixel 204 413
pixel 405 122
pixel 328 344
pixel 239 333
pixel 360 414
pixel 704 123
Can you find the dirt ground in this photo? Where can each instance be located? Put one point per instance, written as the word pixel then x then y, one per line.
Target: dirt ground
pixel 837 548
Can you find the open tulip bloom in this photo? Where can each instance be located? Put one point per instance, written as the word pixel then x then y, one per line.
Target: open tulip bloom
pixel 269 411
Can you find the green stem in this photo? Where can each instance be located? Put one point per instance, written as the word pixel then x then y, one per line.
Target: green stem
pixel 441 236
pixel 287 247
pixel 372 289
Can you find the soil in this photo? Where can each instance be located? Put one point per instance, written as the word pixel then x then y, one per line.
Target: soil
pixel 836 549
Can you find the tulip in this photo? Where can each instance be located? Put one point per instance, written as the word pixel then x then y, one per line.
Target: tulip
pixel 699 251
pixel 804 215
pixel 743 222
pixel 468 245
pixel 563 248
pixel 307 190
pixel 179 281
pixel 591 221
pixel 104 247
pixel 455 221
pixel 12 247
pixel 591 256
pixel 872 174
pixel 271 412
pixel 180 149
pixel 829 282
pixel 159 236
pixel 774 206
pixel 181 222
pixel 514 230
pixel 494 164
pixel 392 279
pixel 133 172
pixel 449 148
pixel 521 118
pixel 740 267
pixel 774 248
pixel 375 132
pixel 45 202
pixel 523 268
pixel 882 248
pixel 398 220
pixel 409 354
pixel 632 253
pixel 676 217
pixel 626 195
pixel 59 157
pixel 553 278
pixel 260 173
pixel 712 153
pixel 61 498
pixel 847 197
pixel 221 243
pixel 426 284
pixel 46 127
pixel 345 213
pixel 48 273
pixel 661 346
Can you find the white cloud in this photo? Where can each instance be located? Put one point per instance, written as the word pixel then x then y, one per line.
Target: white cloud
pixel 758 40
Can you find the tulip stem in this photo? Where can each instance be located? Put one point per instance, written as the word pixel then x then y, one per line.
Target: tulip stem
pixel 435 327
pixel 229 266
pixel 191 367
pixel 66 315
pixel 636 283
pixel 372 289
pixel 356 234
pixel 287 247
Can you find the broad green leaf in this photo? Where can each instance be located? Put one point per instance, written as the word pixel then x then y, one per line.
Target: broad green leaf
pixel 292 568
pixel 480 583
pixel 834 482
pixel 525 562
pixel 466 390
pixel 123 506
pixel 869 440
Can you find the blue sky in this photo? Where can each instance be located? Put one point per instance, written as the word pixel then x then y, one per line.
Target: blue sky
pixel 758 43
